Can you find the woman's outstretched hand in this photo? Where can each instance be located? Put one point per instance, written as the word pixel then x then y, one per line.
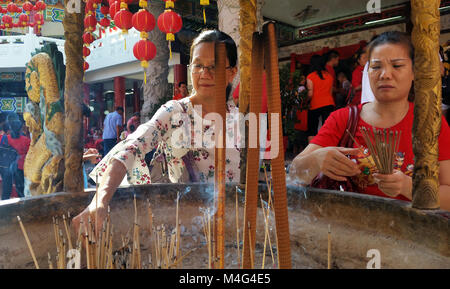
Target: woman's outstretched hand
pixel 334 163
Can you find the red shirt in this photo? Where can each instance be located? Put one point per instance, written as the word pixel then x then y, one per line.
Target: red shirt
pixel 357 76
pixel 21 145
pixel 334 128
pixel 178 96
pixel 321 90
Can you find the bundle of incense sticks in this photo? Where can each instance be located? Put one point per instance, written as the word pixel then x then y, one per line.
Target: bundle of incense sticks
pixel 383 146
pixel 207 232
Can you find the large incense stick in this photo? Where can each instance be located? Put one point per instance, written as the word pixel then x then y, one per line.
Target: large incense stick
pixel 28 243
pixel 329 246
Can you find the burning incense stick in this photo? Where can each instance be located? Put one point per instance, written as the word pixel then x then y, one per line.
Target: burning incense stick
pixel 329 246
pixel 67 233
pixel 28 242
pixel 237 230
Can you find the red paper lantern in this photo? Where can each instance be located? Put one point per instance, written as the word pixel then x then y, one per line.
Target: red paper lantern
pixel 90 22
pixel 39 19
pixel 40 5
pixel 23 20
pixel 16 25
pixel 11 8
pixel 122 19
pixel 7 19
pixel 88 38
pixel 27 7
pixel 85 66
pixel 90 7
pixel 2 26
pixel 86 51
pixel 97 1
pixel 19 10
pixel 104 10
pixel 169 3
pixel 31 24
pixel 170 22
pixel 105 22
pixel 113 8
pixel 144 50
pixel 143 21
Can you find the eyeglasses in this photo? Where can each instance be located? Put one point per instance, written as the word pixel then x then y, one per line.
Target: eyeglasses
pixel 198 68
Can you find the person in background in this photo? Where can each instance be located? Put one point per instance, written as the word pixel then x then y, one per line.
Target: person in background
pixel 21 144
pixel 357 76
pixel 183 91
pixel 320 93
pixel 391 74
pixel 332 61
pixel 111 129
pixel 134 121
pixel 344 86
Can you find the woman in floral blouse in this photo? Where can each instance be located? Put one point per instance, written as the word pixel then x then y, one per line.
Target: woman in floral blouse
pixel 169 129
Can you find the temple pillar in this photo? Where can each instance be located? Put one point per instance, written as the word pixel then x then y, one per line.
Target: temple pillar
pixel 427 104
pixel 119 93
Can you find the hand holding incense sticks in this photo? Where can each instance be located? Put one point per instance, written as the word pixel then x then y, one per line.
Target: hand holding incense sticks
pixel 383 146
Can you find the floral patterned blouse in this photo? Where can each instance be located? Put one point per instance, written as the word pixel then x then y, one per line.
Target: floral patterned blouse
pixel 171 127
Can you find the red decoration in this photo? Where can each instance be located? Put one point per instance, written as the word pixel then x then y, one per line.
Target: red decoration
pixel 39 19
pixel 88 38
pixel 85 66
pixel 40 5
pixel 90 22
pixel 86 51
pixel 7 21
pixel 105 22
pixel 16 25
pixel 144 50
pixel 169 3
pixel 27 7
pixel 12 8
pixel 23 20
pixel 143 21
pixel 122 19
pixel 97 1
pixel 2 27
pixel 170 22
pixel 90 7
pixel 114 8
pixel 104 10
pixel 31 24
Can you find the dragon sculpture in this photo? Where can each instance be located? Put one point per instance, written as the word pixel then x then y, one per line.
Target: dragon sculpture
pixel 44 116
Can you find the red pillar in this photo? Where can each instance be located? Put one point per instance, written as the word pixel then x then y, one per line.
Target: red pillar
pixel 119 93
pixel 137 97
pixel 179 74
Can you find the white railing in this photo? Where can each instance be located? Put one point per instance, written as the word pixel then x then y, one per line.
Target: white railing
pixel 15 50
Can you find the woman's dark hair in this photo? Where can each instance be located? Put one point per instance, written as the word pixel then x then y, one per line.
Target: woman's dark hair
pixel 217 36
pixel 360 52
pixel 317 65
pixel 16 128
pixel 392 37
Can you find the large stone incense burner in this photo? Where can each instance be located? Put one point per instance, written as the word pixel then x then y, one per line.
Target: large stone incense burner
pixel 404 237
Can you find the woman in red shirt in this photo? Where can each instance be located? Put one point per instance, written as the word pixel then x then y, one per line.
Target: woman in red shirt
pixel 21 144
pixel 357 76
pixel 391 58
pixel 320 93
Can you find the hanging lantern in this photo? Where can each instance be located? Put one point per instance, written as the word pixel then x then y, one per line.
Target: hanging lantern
pixel 88 38
pixel 27 7
pixel 11 8
pixel 105 22
pixel 144 22
pixel 85 66
pixel 122 19
pixel 90 8
pixel 170 22
pixel 204 3
pixel 23 20
pixel 113 8
pixel 86 51
pixel 2 26
pixel 144 50
pixel 90 22
pixel 7 20
pixel 16 25
pixel 31 24
pixel 104 10
pixel 169 3
pixel 40 5
pixel 19 10
pixel 39 19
